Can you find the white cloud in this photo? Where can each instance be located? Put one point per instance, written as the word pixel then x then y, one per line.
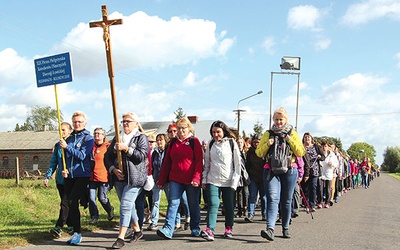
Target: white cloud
pixel 269 44
pixel 368 10
pixel 145 41
pixel 304 17
pixel 322 44
pixel 15 69
pixel 190 79
pixel 344 90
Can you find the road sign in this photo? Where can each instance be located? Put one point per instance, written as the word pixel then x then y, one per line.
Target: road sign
pixel 53 70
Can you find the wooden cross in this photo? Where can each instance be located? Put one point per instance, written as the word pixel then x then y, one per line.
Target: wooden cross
pixel 105 23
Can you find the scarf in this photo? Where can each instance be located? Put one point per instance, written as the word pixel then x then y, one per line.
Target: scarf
pixel 282 131
pixel 126 138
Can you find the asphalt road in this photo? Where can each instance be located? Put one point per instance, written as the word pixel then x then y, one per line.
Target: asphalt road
pixel 363 219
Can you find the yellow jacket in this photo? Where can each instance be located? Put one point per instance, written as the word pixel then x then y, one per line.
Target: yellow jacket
pixel 296 146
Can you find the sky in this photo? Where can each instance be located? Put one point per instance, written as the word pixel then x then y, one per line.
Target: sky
pixel 206 56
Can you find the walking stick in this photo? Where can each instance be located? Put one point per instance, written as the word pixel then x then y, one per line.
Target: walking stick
pixel 305 202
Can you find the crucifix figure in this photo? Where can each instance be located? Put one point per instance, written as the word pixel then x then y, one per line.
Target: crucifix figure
pixel 105 24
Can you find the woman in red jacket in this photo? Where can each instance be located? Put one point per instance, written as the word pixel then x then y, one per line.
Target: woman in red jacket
pixel 182 167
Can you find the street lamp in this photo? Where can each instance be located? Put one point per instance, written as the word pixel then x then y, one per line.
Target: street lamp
pixel 288 63
pixel 240 110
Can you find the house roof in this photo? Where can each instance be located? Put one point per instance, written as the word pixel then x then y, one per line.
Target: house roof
pixel 201 129
pixel 28 140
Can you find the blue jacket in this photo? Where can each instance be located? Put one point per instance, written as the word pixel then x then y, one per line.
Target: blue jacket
pixel 157 157
pixel 78 153
pixel 56 164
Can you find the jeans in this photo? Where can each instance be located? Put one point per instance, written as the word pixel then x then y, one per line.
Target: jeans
pixel 242 198
pixel 279 190
pixel 127 196
pixel 155 211
pixel 102 188
pixel 327 192
pixel 175 193
pixel 74 187
pixel 213 198
pixel 312 184
pixel 255 187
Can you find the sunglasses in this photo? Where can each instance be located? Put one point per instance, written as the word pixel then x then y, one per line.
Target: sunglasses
pixel 126 121
pixel 172 131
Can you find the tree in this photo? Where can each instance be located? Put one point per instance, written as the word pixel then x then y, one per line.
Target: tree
pixel 391 160
pixel 330 140
pixel 179 114
pixel 38 117
pixel 360 150
pixel 258 129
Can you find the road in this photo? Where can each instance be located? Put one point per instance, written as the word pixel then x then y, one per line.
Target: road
pixel 363 219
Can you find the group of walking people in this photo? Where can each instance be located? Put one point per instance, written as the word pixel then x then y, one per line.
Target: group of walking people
pixel 225 169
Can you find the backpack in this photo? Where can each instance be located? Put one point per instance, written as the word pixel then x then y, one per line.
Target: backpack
pixel 279 155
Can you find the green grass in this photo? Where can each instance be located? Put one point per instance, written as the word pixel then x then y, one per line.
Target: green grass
pixel 29 210
pixel 395 175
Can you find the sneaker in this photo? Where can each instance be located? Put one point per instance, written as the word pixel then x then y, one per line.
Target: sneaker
pixel 207 234
pixel 326 205
pixel 94 221
pixel 75 239
pixel 128 233
pixel 195 233
pixel 336 199
pixel 286 233
pixel 228 232
pixel 147 219
pixel 56 232
pixel 249 218
pixel 152 227
pixel 313 209
pixel 268 234
pixel 119 243
pixel 263 217
pixel 178 229
pixel 319 205
pixel 136 236
pixel 186 225
pixel 111 214
pixel 70 230
pixel 163 233
pixel 331 203
pixel 307 210
pixel 239 214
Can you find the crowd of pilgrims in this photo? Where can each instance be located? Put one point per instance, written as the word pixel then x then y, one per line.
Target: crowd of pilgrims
pixel 221 175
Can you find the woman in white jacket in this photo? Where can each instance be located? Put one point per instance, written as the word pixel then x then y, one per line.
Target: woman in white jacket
pixel 221 174
pixel 328 167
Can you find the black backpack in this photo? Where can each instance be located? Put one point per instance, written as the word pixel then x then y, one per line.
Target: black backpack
pixel 279 154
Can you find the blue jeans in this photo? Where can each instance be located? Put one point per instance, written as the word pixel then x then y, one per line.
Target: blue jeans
pixel 279 190
pixel 127 196
pixel 155 212
pixel 102 188
pixel 312 184
pixel 175 193
pixel 183 204
pixel 254 188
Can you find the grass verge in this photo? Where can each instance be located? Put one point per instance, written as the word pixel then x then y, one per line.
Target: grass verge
pixel 29 210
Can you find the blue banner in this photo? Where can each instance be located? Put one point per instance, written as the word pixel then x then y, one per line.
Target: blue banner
pixel 53 70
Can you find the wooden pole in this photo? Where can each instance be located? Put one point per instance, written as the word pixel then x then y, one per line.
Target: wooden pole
pixel 105 23
pixel 17 170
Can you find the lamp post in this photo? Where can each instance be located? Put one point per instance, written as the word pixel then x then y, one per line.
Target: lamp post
pixel 240 110
pixel 288 63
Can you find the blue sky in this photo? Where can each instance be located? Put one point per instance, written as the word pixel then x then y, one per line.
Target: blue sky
pixel 205 56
